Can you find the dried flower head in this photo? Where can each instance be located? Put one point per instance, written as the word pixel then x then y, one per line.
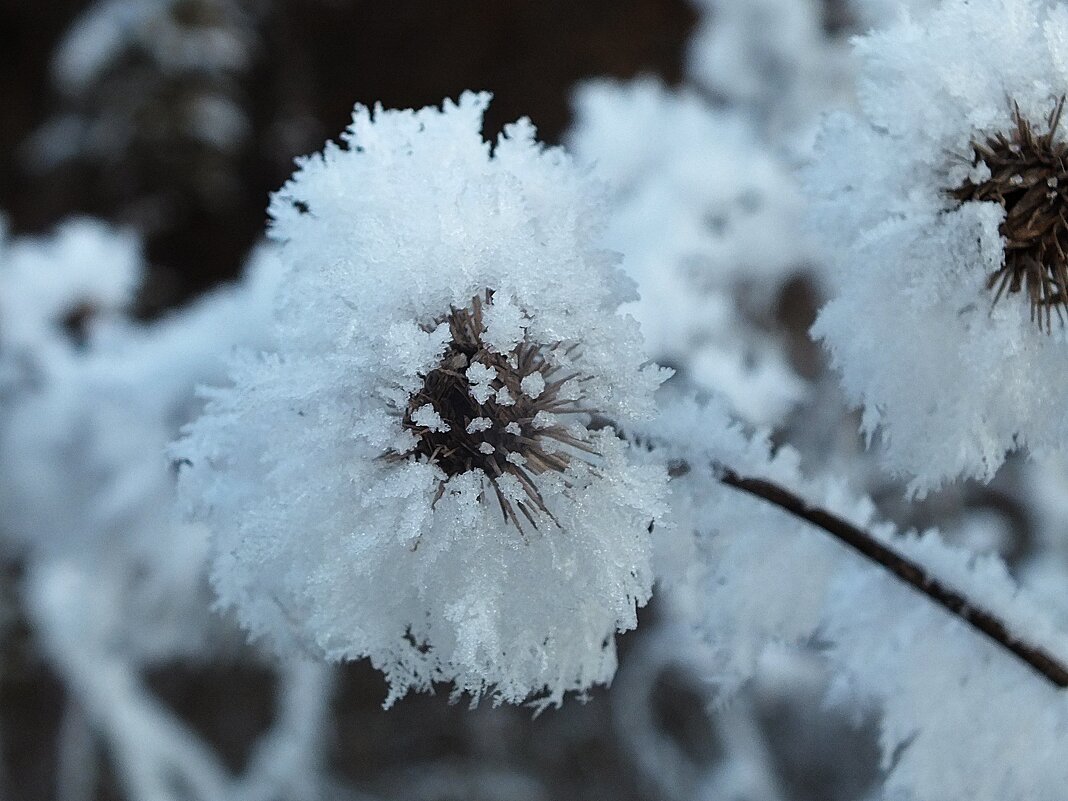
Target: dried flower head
pixel 935 198
pixel 500 422
pixel 448 333
pixel 1027 174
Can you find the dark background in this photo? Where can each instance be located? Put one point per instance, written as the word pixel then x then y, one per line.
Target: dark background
pixel 314 60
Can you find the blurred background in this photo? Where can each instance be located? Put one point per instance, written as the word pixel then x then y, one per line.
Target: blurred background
pixel 168 122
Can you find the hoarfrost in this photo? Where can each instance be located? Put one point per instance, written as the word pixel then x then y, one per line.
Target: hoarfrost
pixel 327 541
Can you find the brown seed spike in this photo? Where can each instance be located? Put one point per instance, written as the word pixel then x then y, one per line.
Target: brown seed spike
pixel 1029 179
pixel 511 427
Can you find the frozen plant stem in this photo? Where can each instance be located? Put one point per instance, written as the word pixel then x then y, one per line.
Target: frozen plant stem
pixel 908 571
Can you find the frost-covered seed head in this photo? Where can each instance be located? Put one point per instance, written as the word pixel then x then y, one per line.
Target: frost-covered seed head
pixel 1027 178
pixel 950 171
pixel 447 325
pixel 502 429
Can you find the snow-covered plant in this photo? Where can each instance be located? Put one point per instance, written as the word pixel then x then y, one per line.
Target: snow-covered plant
pixel 711 225
pixel 943 202
pixel 426 470
pixel 760 585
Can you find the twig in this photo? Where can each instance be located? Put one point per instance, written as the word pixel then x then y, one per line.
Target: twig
pixel 155 754
pixel 288 760
pixel 908 571
pixel 76 769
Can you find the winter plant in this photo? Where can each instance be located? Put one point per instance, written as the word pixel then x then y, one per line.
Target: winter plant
pixel 478 401
pixel 457 400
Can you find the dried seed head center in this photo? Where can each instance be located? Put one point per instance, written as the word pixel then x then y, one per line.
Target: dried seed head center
pixel 496 412
pixel 1029 179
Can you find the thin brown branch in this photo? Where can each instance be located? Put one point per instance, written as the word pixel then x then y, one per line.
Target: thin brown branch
pixel 908 571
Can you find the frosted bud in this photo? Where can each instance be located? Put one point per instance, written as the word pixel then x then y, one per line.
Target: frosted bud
pixel 384 486
pixel 942 198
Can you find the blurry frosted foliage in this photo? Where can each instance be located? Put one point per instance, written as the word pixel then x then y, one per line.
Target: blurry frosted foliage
pixel 775 740
pixel 154 753
pixel 412 475
pixel 709 220
pixel 1041 487
pixel 178 35
pixel 152 93
pixel 84 474
pixel 786 61
pixel 757 585
pixel 51 286
pixel 951 342
pixel 773 57
pixel 112 583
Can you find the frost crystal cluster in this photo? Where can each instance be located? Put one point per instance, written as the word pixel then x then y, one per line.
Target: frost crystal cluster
pixel 943 200
pixel 427 470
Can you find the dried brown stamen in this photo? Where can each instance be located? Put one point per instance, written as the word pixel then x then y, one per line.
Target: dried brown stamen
pixel 1029 178
pixel 494 430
